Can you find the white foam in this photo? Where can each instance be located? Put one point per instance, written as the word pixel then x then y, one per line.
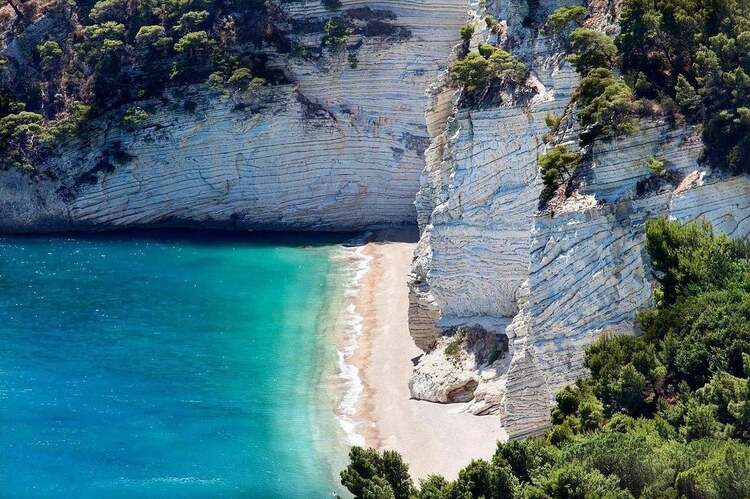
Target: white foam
pixel 359 263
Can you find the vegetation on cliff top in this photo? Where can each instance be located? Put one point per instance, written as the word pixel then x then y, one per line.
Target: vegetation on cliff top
pixel 662 415
pixel 687 61
pixel 485 72
pixel 70 60
pixel 695 53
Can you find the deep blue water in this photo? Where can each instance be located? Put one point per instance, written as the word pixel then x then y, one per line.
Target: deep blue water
pixel 134 366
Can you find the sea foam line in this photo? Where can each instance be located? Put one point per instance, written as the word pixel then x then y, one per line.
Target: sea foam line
pixel 359 263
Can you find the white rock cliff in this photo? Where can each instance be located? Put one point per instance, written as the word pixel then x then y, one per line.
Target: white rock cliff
pixel 339 148
pixel 503 297
pixel 548 282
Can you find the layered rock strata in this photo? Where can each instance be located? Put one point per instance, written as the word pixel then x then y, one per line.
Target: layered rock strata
pixel 549 281
pixel 338 148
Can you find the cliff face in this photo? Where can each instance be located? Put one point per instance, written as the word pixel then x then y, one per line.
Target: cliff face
pixel 338 148
pixel 549 284
pixel 345 144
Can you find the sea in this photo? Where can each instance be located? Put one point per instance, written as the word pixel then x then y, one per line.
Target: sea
pixel 175 364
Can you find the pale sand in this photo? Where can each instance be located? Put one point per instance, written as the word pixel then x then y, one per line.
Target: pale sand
pixel 432 438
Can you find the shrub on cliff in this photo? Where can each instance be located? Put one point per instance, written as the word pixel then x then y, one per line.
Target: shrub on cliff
pixel 153 37
pixel 49 52
pixel 109 10
pixel 336 33
pixel 564 17
pixel 606 106
pixel 466 32
pixel 478 72
pixel 555 166
pixel 470 72
pixel 194 45
pixel 591 49
pixel 505 68
pixel 134 117
pixel 192 20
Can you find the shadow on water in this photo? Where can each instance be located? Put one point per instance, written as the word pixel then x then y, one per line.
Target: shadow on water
pixel 198 237
pixel 214 237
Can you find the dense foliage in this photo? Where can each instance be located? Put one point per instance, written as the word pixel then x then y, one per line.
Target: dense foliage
pixel 484 73
pixel 662 415
pixel 696 52
pixel 490 69
pixel 564 17
pixel 90 57
pixel 556 165
pixel 688 59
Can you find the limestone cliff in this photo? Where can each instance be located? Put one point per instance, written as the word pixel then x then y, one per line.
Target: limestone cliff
pixel 504 296
pixel 339 147
pixel 548 281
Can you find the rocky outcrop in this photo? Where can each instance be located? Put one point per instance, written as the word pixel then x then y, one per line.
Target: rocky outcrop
pixel 478 196
pixel 338 148
pixel 550 281
pixel 453 373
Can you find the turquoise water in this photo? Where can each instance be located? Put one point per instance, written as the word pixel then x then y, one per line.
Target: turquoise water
pixel 134 366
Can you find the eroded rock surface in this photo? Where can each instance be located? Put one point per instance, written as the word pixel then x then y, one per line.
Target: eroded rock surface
pixel 550 281
pixel 339 148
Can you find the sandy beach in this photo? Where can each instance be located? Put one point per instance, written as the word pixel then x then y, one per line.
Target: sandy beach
pixel 433 438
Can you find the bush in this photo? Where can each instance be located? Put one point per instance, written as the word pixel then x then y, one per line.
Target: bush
pixel 467 31
pixel 194 45
pixel 492 24
pixel 134 117
pixel 552 121
pixel 109 10
pixel 556 165
pixel 453 351
pixel 369 469
pixel 489 480
pixel 18 133
pixel 191 21
pixel 49 52
pixel 109 30
pixel 153 36
pixel 241 77
pixel 591 49
pixel 21 125
pixel 336 33
pixel 527 458
pixel 477 72
pixel 573 480
pixel 470 72
pixel 505 68
pixel 70 123
pixel 656 166
pixel 723 473
pixel 690 260
pixel 565 16
pixel 606 106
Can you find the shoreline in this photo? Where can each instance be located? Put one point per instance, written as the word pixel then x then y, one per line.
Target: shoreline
pixel 375 362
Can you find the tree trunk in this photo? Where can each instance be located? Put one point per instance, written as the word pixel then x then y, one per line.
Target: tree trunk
pixel 15 8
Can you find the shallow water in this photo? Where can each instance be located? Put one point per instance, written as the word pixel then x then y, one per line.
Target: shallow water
pixel 135 366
